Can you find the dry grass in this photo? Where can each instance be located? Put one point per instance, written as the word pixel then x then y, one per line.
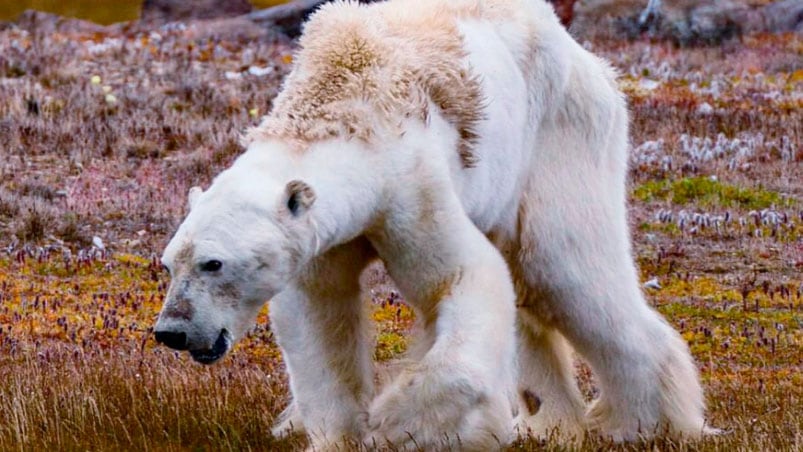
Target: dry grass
pixel 64 397
pixel 717 219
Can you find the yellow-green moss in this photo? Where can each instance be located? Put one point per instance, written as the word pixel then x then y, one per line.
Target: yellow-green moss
pixel 389 345
pixel 709 193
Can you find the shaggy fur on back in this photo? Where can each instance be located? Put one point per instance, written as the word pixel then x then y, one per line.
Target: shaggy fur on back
pixel 356 71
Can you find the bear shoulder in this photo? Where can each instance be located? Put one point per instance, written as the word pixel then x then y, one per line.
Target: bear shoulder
pixel 364 69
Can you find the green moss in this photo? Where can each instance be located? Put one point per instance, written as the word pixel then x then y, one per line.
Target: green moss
pixel 709 192
pixel 389 345
pixel 670 229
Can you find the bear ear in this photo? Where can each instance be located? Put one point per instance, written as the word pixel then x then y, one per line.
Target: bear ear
pixel 193 195
pixel 300 197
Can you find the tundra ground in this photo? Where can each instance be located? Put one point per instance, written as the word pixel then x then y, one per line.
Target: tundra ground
pixel 104 132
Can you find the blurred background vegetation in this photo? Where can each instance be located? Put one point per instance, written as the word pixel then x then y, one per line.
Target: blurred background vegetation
pixel 100 11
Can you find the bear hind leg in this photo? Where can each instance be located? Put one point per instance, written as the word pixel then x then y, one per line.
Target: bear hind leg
pixel 588 289
pixel 550 402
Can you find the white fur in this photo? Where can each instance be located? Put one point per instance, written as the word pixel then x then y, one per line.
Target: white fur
pixel 538 223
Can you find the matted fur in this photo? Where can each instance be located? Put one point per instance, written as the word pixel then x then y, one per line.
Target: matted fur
pixel 354 68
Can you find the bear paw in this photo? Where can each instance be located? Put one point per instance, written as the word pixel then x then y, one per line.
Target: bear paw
pixel 288 422
pixel 432 411
pixel 550 420
pixel 618 424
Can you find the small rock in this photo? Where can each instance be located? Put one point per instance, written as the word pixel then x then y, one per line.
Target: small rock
pixel 182 10
pixel 48 23
pixel 98 243
pixel 705 109
pixel 232 28
pixel 260 71
pixel 648 84
pixel 652 284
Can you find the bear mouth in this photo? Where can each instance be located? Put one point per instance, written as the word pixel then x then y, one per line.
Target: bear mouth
pixel 211 355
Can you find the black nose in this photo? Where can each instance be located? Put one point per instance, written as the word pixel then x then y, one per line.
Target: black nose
pixel 177 341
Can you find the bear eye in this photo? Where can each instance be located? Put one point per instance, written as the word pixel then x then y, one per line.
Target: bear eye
pixel 211 266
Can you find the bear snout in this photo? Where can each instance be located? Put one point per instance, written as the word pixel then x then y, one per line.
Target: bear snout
pixel 219 348
pixel 174 340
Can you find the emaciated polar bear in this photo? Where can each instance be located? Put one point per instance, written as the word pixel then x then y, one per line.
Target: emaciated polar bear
pixel 480 153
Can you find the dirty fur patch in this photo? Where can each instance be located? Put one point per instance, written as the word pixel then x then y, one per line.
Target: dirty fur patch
pixel 181 308
pixel 364 68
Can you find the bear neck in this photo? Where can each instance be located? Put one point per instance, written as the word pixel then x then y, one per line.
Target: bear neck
pixel 347 180
pixel 357 183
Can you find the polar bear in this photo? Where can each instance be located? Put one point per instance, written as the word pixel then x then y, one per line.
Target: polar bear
pixel 480 153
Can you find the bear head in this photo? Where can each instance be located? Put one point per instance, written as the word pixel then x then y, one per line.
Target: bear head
pixel 239 246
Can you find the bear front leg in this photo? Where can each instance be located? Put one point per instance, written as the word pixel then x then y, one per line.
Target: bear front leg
pixel 460 390
pixel 322 330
